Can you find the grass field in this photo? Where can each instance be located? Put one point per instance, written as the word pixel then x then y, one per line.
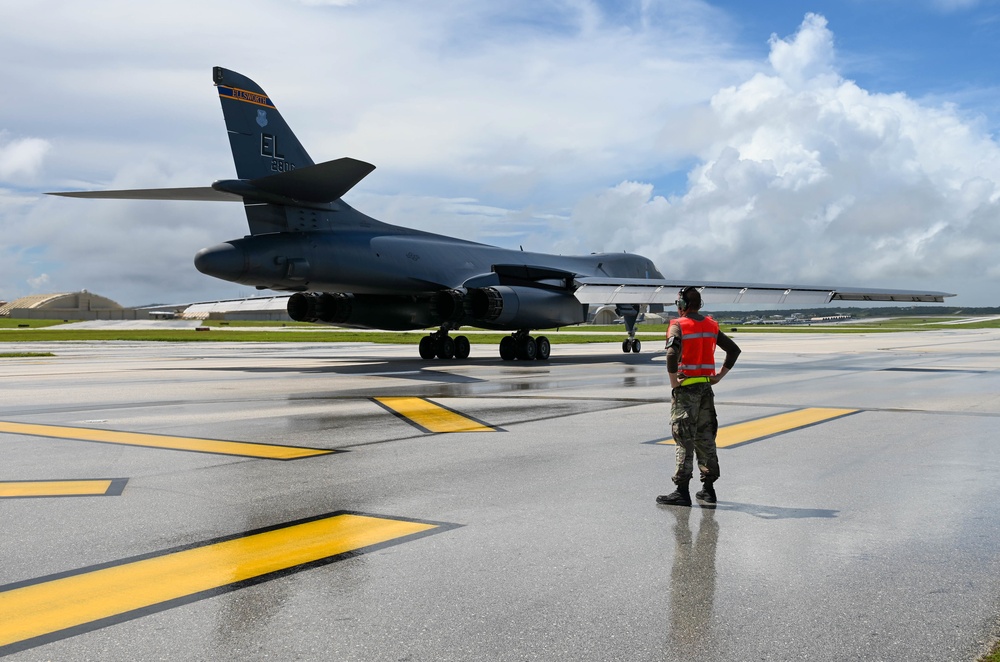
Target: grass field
pixel 13 330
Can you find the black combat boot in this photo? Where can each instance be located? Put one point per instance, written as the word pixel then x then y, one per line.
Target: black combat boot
pixel 707 493
pixel 679 497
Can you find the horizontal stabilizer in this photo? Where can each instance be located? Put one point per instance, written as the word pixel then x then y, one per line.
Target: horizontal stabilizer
pixel 647 291
pixel 323 182
pixel 200 194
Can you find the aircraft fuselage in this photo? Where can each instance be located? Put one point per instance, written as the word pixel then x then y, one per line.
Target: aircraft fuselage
pixel 386 260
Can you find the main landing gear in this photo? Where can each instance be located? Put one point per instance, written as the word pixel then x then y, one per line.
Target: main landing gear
pixel 631 344
pixel 521 345
pixel 443 346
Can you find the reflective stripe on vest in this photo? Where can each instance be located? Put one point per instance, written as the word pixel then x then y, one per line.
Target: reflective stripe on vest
pixel 697 346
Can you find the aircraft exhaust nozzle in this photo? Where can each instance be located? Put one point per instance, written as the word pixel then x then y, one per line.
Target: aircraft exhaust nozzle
pixel 224 261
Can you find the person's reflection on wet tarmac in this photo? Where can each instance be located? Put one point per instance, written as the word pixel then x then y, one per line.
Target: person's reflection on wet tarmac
pixel 692 583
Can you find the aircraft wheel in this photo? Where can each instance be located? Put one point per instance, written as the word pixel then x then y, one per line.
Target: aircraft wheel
pixel 462 347
pixel 427 348
pixel 543 346
pixel 507 348
pixel 446 347
pixel 636 345
pixel 527 350
pixel 626 345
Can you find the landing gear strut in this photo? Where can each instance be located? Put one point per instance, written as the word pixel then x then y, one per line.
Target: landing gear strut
pixel 629 315
pixel 521 345
pixel 443 346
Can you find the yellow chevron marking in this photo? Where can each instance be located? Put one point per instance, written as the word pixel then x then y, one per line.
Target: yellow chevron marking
pixel 741 433
pixel 241 448
pixel 431 417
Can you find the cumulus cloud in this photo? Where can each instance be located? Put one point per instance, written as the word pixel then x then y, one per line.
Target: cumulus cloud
pixel 21 157
pixel 39 282
pixel 811 178
pixel 808 57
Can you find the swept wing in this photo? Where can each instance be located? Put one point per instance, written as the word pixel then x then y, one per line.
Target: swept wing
pixel 639 291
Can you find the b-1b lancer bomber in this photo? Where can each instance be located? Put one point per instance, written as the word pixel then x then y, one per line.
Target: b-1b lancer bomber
pixel 348 269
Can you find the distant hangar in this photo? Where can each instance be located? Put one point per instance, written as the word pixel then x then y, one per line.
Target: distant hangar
pixel 84 305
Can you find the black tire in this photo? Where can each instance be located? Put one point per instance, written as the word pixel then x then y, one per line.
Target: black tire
pixel 427 348
pixel 527 350
pixel 508 350
pixel 446 348
pixel 544 347
pixel 626 345
pixel 462 347
pixel 636 346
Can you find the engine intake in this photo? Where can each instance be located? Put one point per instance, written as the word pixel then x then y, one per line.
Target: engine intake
pixel 325 307
pixel 454 306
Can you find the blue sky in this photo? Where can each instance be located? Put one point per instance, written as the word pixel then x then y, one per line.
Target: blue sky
pixel 920 47
pixel 843 143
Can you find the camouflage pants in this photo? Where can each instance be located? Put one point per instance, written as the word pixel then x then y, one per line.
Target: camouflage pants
pixel 694 425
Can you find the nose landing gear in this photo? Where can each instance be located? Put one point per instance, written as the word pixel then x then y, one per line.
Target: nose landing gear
pixel 630 314
pixel 631 344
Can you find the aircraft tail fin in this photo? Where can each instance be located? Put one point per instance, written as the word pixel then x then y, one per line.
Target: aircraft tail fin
pixel 261 141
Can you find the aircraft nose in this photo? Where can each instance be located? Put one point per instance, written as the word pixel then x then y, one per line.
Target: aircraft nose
pixel 224 261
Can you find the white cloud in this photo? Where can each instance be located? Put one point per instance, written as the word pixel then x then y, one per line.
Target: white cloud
pixel 21 157
pixel 811 178
pixel 808 57
pixel 38 282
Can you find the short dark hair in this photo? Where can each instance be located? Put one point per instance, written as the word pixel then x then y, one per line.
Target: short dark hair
pixel 691 297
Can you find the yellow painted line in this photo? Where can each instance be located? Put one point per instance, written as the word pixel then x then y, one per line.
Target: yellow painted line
pixel 742 433
pixel 241 448
pixel 50 608
pixel 431 417
pixel 56 488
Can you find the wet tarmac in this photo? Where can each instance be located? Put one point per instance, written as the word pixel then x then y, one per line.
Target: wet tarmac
pixel 209 501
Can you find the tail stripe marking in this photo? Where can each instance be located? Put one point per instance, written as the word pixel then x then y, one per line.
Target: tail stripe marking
pixel 245 95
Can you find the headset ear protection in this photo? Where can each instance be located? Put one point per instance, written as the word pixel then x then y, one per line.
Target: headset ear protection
pixel 682 298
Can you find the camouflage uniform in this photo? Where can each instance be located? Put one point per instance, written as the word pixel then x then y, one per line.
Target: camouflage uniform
pixel 694 424
pixel 693 421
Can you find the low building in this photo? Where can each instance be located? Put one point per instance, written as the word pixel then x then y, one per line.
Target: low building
pixel 274 309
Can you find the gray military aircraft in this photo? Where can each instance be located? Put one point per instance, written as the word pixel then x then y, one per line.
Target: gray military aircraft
pixel 348 269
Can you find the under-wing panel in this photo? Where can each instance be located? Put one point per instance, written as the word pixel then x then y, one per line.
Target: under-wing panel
pixel 640 291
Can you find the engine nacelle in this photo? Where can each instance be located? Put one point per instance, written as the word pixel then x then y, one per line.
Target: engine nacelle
pixel 366 311
pixel 517 307
pixel 454 306
pixel 325 307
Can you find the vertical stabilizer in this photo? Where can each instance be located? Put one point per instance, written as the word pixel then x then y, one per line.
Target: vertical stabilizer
pixel 261 141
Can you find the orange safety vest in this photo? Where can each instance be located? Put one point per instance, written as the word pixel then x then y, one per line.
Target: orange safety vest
pixel 697 346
